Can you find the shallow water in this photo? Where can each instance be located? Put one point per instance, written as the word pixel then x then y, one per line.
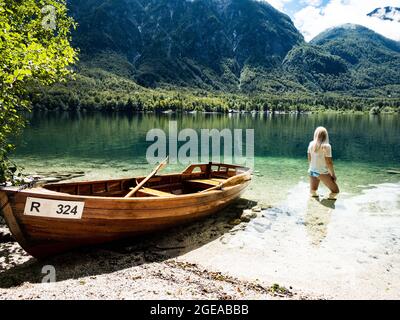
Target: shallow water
pixel 350 248
pixel 344 249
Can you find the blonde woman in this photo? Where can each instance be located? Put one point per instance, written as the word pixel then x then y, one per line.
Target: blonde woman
pixel 321 164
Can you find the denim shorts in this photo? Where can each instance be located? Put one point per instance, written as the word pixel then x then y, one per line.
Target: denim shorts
pixel 315 174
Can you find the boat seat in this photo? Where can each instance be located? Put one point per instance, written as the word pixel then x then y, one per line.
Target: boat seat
pixel 156 193
pixel 219 179
pixel 208 182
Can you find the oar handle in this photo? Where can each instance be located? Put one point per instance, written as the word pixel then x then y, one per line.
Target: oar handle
pixel 151 175
pixel 229 183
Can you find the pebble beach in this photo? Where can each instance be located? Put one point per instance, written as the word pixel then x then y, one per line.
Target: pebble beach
pixel 148 268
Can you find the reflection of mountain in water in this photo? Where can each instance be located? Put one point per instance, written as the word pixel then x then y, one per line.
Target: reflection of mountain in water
pixel 360 138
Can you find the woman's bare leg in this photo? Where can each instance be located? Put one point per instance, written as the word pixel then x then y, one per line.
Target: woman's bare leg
pixel 314 184
pixel 331 184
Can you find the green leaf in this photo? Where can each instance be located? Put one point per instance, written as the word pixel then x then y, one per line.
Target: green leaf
pixel 28 54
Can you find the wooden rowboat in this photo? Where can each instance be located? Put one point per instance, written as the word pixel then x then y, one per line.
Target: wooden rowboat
pixel 55 218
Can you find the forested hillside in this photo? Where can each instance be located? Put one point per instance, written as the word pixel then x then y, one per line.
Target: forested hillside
pixel 219 55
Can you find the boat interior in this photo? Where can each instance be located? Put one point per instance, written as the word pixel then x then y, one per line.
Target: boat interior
pixel 196 178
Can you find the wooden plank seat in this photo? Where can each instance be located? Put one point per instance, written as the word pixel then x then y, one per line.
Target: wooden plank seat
pixel 209 182
pixel 155 193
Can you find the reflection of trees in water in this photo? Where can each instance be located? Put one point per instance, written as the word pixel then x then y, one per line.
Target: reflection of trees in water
pixel 275 136
pixel 317 219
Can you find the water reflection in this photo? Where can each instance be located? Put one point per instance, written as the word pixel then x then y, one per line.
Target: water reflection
pixel 112 145
pixel 361 138
pixel 317 218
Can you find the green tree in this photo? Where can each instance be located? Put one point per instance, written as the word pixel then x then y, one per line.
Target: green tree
pixel 35 48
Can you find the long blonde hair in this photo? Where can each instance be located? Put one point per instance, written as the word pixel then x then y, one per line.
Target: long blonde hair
pixel 321 138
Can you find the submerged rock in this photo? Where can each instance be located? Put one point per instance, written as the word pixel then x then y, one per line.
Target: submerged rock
pixel 261 227
pixel 76 176
pixel 235 222
pixel 247 215
pixel 52 177
pixel 50 180
pixel 78 172
pixel 266 207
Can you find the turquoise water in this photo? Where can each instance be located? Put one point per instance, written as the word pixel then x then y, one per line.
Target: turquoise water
pixel 114 145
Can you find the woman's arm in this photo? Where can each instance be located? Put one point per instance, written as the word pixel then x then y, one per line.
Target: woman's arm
pixel 331 169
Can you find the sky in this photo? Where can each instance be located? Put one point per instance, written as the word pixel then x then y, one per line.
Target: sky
pixel 312 17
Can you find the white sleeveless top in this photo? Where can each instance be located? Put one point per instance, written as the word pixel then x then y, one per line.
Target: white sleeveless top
pixel 318 163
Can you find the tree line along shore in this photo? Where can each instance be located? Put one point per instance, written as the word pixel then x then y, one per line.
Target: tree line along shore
pixel 74 96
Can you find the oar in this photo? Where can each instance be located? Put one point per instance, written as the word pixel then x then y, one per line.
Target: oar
pixel 233 181
pixel 151 175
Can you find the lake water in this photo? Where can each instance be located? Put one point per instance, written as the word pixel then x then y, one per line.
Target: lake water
pixel 114 145
pixel 347 246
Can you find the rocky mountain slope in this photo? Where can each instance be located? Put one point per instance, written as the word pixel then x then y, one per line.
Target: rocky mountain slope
pixel 386 13
pixel 206 43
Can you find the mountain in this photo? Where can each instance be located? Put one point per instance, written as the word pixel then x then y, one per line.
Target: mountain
pixel 202 43
pixel 211 54
pixel 372 60
pixel 228 45
pixel 386 13
pixel 316 68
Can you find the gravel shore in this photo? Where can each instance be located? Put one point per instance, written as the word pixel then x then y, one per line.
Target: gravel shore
pixel 148 268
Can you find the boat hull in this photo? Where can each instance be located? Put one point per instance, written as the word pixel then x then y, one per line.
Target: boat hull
pixel 105 219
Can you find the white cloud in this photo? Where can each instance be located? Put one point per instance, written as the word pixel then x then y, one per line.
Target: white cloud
pixel 315 3
pixel 312 20
pixel 277 4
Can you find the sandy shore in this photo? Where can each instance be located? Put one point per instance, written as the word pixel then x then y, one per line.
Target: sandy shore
pixel 151 268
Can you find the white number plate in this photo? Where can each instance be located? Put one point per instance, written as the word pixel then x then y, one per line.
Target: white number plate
pixel 53 208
